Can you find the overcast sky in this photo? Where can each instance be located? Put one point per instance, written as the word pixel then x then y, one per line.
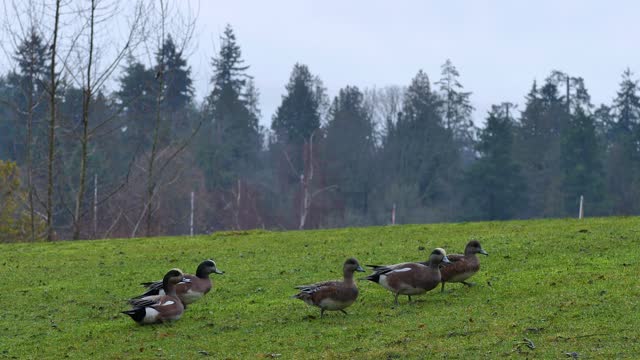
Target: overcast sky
pixel 499 47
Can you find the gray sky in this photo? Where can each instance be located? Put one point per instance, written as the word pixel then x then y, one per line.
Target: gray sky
pixel 499 47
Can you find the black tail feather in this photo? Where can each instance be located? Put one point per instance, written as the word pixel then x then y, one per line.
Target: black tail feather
pixel 375 277
pixel 137 314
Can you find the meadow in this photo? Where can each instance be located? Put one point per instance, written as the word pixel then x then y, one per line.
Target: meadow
pixel 550 289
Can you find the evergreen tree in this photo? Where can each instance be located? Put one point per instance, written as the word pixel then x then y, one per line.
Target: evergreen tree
pixel 298 116
pixel 349 148
pixel 178 86
pixel 494 182
pixel 623 156
pixel 233 130
pixel 457 108
pixel 137 95
pixel 26 91
pixel 581 163
pixel 424 150
pixel 604 122
pixel 538 150
pixel 32 57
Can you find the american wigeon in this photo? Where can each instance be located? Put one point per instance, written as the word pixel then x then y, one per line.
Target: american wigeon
pixel 464 266
pixel 332 295
pixel 159 308
pixel 410 278
pixel 188 291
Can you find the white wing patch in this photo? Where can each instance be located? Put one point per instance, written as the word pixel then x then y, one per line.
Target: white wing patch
pixel 170 302
pixel 402 270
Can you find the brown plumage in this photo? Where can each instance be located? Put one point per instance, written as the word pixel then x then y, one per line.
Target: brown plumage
pixel 159 308
pixel 193 288
pixel 333 295
pixel 410 278
pixel 464 266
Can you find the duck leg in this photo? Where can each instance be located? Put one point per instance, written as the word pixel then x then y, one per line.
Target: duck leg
pixel 321 313
pixel 409 296
pixel 344 312
pixel 396 298
pixel 442 289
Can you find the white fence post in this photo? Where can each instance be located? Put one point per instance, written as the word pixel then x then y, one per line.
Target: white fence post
pixel 191 220
pixel 95 205
pixel 581 211
pixel 393 214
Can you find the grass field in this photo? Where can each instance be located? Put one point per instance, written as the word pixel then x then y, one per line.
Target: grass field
pixel 563 285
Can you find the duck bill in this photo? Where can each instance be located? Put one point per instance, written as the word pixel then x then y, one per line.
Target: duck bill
pixel 359 269
pixel 445 260
pixel 484 252
pixel 219 272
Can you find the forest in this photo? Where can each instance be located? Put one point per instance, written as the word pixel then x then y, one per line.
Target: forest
pixel 105 144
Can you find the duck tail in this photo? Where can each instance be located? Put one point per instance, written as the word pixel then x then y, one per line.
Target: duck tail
pixel 137 314
pixel 304 296
pixel 375 277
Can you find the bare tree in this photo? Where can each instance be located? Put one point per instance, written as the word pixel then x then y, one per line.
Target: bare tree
pixel 52 91
pixel 90 84
pixel 306 181
pixel 155 170
pixel 385 104
pixel 25 36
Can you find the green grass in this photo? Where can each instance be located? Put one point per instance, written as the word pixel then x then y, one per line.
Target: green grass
pixel 565 285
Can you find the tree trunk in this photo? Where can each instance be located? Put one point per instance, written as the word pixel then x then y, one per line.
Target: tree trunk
pixel 151 184
pixel 30 106
pixel 52 124
pixel 87 93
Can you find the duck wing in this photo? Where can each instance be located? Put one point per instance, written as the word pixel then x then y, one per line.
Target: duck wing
pixel 147 301
pixel 311 288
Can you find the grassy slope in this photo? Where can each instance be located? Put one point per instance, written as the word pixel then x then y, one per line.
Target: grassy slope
pixel 564 284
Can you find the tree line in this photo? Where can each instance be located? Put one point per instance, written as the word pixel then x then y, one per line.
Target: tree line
pixel 123 162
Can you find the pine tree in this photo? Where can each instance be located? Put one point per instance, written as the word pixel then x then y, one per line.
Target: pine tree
pixel 298 116
pixel 349 147
pixel 28 98
pixel 230 142
pixel 457 108
pixel 494 183
pixel 538 150
pixel 424 150
pixel 137 95
pixel 178 85
pixel 623 156
pixel 581 164
pixel 27 92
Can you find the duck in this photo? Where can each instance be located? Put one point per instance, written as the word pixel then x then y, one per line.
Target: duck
pixel 193 288
pixel 410 278
pixel 159 308
pixel 462 267
pixel 332 295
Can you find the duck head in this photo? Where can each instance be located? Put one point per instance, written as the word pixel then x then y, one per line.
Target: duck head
pixel 438 255
pixel 172 277
pixel 208 267
pixel 473 247
pixel 352 265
